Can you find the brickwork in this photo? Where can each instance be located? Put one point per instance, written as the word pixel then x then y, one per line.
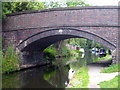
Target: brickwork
pixel 40 28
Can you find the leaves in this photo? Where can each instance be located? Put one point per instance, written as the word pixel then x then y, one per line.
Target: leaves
pixel 76 3
pixel 10 61
pixel 17 6
pixel 12 7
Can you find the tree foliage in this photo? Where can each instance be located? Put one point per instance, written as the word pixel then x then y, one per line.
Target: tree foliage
pixel 12 7
pixel 71 3
pixel 84 43
pixel 17 6
pixel 76 3
pixel 54 5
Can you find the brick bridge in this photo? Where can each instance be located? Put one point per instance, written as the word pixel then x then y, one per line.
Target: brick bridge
pixel 31 32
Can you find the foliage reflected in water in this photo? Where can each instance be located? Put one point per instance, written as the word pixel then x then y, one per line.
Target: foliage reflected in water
pixel 11 81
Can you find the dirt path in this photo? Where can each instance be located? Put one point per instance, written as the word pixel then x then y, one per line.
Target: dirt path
pixel 95 76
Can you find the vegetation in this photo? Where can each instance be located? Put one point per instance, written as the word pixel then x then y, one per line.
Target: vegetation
pixel 10 61
pixel 65 51
pixel 12 7
pixel 17 6
pixel 53 5
pixel 11 81
pixel 103 58
pixel 113 83
pixel 80 79
pixel 49 53
pixel 60 50
pixel 111 69
pixel 48 73
pixel 78 51
pixel 84 43
pixel 76 3
pixel 69 3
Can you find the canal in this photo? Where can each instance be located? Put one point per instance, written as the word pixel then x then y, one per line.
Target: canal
pixel 56 75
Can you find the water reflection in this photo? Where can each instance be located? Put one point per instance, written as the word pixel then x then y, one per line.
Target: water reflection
pixel 51 76
pixel 60 76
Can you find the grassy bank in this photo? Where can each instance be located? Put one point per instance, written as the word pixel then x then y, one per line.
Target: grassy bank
pixel 103 58
pixel 80 79
pixel 111 68
pixel 113 83
pixel 10 61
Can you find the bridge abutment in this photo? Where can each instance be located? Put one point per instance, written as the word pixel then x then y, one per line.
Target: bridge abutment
pixel 31 59
pixel 114 61
pixel 115 56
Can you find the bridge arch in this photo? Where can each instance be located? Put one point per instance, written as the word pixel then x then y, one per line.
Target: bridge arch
pixel 41 40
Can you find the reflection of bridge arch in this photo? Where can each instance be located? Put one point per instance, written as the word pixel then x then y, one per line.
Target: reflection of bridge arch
pixel 40 41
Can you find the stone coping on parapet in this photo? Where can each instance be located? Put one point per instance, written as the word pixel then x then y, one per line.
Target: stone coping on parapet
pixel 64 9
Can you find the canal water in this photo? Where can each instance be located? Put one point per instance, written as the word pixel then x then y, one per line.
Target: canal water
pixel 50 76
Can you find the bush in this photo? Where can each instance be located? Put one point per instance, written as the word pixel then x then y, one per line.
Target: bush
pixel 65 51
pixel 78 51
pixel 49 54
pixel 10 61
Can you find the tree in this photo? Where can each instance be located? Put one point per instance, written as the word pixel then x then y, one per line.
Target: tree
pixel 17 6
pixel 54 5
pixel 88 44
pixel 72 3
pixel 76 3
pixel 12 7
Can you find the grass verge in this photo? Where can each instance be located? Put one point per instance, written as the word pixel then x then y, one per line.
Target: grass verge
pixel 102 58
pixel 111 69
pixel 113 83
pixel 80 79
